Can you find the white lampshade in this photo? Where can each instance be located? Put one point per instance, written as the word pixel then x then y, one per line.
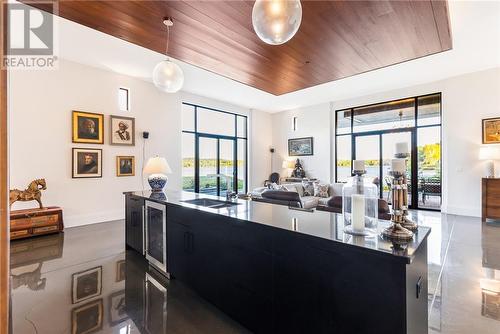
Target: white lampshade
pixel 489 153
pixel 276 21
pixel 287 164
pixel 157 165
pixel 402 148
pixel 168 76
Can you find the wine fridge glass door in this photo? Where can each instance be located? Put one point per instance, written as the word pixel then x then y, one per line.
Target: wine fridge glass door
pixel 156 235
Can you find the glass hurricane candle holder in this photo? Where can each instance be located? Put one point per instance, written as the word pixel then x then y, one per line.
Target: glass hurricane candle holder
pixel 360 207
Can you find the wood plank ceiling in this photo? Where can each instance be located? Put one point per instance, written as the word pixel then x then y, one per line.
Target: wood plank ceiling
pixel 336 39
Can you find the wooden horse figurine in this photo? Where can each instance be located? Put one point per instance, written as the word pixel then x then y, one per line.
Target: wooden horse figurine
pixel 32 193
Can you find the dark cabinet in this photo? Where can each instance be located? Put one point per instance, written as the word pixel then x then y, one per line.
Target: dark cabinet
pixel 224 261
pixel 197 253
pixel 180 250
pixel 277 281
pixel 134 223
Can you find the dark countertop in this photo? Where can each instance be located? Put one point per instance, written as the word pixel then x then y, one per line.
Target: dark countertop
pixel 319 224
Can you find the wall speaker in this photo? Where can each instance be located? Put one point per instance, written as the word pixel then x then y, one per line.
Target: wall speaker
pixel 145 135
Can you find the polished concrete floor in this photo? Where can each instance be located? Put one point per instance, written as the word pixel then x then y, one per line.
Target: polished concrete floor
pixel 83 281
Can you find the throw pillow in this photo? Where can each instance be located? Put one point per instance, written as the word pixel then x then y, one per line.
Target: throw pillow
pixel 308 188
pixel 321 190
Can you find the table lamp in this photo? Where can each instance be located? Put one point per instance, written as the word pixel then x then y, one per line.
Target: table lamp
pixel 157 167
pixel 287 164
pixel 490 154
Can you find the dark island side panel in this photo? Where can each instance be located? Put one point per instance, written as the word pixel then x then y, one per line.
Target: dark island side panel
pixel 276 281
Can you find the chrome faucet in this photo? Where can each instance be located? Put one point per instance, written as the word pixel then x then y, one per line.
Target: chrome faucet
pixel 230 194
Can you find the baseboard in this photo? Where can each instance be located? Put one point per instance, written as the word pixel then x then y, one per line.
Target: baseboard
pixel 462 211
pixel 93 218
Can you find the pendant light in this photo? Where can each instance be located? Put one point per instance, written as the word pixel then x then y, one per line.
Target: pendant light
pixel 168 76
pixel 276 21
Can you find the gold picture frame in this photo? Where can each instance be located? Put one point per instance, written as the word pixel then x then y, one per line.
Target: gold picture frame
pixel 88 128
pixel 87 318
pixel 491 130
pixel 125 165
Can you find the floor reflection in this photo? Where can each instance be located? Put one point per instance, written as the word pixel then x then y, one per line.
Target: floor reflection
pixel 490 283
pixel 119 293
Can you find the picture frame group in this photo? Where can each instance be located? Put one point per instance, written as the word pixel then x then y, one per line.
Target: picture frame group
pixel 86 291
pixel 88 128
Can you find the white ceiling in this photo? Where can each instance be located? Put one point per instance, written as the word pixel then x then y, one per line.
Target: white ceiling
pixel 475 27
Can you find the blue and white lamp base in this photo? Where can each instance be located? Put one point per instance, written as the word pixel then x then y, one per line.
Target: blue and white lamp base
pixel 157 182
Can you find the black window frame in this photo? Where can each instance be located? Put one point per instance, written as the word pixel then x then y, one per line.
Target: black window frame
pixel 414 146
pixel 235 139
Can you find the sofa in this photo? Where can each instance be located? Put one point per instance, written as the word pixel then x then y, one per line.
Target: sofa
pixel 296 195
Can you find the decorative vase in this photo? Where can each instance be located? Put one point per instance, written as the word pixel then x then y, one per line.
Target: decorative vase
pixel 360 207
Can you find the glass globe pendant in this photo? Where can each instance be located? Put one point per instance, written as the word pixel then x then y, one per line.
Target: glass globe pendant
pixel 168 76
pixel 276 21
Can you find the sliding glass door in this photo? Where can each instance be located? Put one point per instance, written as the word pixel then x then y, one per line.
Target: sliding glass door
pixel 370 133
pixel 377 150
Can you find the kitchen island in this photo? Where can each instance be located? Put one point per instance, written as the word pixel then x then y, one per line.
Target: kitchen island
pixel 280 270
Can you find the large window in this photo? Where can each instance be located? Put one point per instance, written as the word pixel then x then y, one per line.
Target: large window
pixel 213 142
pixel 371 132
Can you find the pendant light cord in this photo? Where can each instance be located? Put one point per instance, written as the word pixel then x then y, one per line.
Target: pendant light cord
pixel 168 39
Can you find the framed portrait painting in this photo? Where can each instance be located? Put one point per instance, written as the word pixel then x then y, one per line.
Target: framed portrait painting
pixel 86 284
pixel 88 127
pixel 87 318
pixel 87 163
pixel 125 166
pixel 491 130
pixel 300 146
pixel 122 130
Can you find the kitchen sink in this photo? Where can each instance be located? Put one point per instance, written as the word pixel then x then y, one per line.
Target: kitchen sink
pixel 210 203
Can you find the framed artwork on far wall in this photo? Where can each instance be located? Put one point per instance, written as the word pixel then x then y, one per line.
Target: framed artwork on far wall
pixel 300 146
pixel 87 163
pixel 122 130
pixel 86 284
pixel 491 130
pixel 87 318
pixel 125 166
pixel 88 128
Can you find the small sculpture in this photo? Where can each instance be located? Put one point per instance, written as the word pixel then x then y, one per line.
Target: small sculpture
pixel 298 171
pixel 32 193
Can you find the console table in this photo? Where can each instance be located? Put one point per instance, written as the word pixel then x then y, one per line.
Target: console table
pixel 285 180
pixel 490 189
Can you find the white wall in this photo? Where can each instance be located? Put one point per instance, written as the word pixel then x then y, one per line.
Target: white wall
pixel 466 100
pixel 261 130
pixel 313 121
pixel 40 136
